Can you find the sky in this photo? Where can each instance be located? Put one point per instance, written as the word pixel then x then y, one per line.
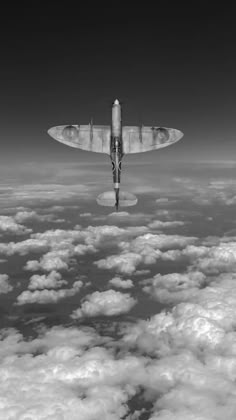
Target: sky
pixel 172 66
pixel 125 315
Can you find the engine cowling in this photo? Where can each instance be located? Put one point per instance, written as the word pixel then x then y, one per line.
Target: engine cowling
pixel 70 133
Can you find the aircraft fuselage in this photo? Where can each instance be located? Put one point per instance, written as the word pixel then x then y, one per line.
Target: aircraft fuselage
pixel 116 147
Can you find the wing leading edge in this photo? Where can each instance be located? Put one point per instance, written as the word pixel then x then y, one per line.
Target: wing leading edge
pixel 143 139
pixel 93 138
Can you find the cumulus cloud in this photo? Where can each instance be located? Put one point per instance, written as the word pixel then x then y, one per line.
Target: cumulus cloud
pixel 162 200
pixel 106 303
pixel 74 378
pixel 158 242
pixel 205 323
pixel 145 249
pixel 120 283
pixel 183 360
pixel 126 217
pixel 85 214
pixel 124 263
pixel 52 281
pixel 5 286
pixel 62 246
pixel 48 296
pixel 24 216
pixel 23 247
pixel 13 224
pixel 158 224
pixel 217 259
pixel 174 287
pixel 54 260
pixel 10 226
pixel 210 192
pixel 82 376
pixel 28 194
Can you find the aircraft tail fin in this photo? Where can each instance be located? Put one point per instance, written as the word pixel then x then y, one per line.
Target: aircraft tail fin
pixel 109 199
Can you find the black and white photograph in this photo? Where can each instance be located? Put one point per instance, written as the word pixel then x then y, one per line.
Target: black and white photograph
pixel 118 211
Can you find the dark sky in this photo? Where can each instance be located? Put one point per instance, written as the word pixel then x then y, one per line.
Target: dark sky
pixel 169 65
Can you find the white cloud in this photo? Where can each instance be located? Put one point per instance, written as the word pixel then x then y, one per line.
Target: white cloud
pixel 47 296
pixel 106 303
pixel 163 200
pixel 24 216
pixel 10 226
pixel 52 281
pixel 145 249
pixel 217 259
pixel 47 193
pixel 54 260
pixel 158 224
pixel 62 245
pixel 124 263
pixel 182 360
pixel 23 247
pixel 141 272
pixel 120 283
pixel 68 381
pixel 174 287
pixel 158 242
pixel 5 287
pixel 206 323
pixel 85 214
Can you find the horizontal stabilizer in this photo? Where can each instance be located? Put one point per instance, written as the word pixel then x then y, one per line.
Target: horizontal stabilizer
pixel 109 199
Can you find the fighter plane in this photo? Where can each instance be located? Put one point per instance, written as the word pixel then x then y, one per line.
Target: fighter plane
pixel 116 141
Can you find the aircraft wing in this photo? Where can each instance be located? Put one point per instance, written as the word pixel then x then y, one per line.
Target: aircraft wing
pixel 143 139
pixel 93 138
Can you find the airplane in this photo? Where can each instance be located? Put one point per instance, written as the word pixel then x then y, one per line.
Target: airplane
pixel 116 141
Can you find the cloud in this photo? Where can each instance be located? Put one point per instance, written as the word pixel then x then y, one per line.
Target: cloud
pixel 182 360
pixel 126 217
pixel 124 263
pixel 85 214
pixel 106 303
pixel 52 281
pixel 88 240
pixel 160 242
pixel 205 323
pixel 180 363
pixel 24 216
pixel 70 377
pixel 158 224
pixel 120 283
pixel 163 200
pixel 10 226
pixel 48 296
pixel 214 259
pixel 5 286
pixel 23 247
pixel 54 260
pixel 145 249
pixel 208 192
pixel 174 287
pixel 35 194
